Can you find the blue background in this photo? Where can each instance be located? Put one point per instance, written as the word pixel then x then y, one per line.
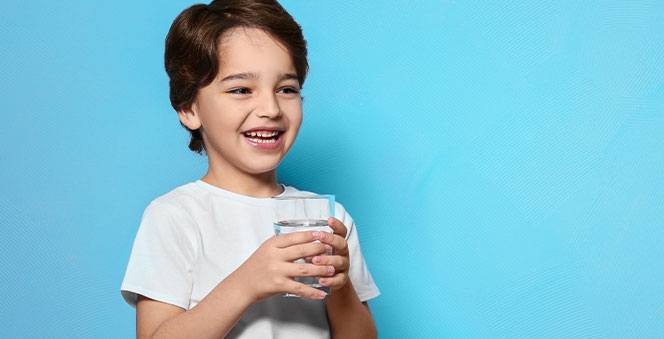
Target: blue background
pixel 503 160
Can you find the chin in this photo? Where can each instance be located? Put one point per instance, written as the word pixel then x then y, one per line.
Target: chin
pixel 261 167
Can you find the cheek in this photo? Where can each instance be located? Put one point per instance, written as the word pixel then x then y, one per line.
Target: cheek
pixel 222 118
pixel 295 124
pixel 296 116
pixel 298 121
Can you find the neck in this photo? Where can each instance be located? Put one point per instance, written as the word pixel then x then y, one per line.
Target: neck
pixel 262 185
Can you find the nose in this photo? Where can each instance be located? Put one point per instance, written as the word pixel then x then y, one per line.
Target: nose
pixel 268 106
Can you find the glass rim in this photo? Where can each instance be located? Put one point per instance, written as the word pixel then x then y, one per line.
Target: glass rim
pixel 302 197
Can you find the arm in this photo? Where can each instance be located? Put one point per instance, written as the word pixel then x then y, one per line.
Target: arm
pixel 213 317
pixel 267 272
pixel 348 316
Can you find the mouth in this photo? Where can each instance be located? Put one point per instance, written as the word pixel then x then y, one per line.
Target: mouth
pixel 264 139
pixel 262 136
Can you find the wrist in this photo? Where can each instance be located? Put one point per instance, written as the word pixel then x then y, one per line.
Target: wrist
pixel 242 290
pixel 343 292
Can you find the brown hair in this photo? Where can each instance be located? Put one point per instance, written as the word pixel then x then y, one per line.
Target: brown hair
pixel 192 51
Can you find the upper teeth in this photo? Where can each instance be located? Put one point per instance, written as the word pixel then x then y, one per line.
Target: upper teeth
pixel 265 134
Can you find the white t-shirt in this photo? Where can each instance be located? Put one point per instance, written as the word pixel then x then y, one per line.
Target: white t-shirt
pixel 193 237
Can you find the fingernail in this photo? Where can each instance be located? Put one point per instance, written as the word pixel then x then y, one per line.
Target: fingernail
pixel 330 270
pixel 315 234
pixel 317 260
pixel 322 280
pixel 322 294
pixel 323 235
pixel 331 221
pixel 328 248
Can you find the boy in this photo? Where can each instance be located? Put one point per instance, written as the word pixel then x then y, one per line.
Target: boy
pixel 205 263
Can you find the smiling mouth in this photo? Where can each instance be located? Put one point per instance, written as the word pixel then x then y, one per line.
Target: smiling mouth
pixel 263 137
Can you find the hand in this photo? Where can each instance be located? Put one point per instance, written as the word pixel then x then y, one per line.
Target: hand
pixel 270 268
pixel 339 259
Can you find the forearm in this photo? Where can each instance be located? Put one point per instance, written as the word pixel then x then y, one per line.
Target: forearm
pixel 348 316
pixel 213 317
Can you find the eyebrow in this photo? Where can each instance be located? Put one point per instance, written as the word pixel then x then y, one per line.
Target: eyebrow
pixel 289 76
pixel 253 76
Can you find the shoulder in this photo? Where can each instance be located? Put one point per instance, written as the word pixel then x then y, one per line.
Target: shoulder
pixel 172 210
pixel 178 196
pixel 180 202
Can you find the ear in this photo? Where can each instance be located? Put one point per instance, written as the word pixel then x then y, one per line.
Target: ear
pixel 189 117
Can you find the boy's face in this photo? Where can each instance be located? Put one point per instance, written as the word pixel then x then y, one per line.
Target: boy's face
pixel 249 116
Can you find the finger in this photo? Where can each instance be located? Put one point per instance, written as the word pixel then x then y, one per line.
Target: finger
pixel 307 270
pixel 337 242
pixel 300 251
pixel 290 239
pixel 303 290
pixel 340 263
pixel 335 281
pixel 337 226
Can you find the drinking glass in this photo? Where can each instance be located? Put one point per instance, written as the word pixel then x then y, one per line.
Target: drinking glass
pixel 303 213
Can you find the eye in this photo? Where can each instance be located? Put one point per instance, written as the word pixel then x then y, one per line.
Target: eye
pixel 289 90
pixel 240 91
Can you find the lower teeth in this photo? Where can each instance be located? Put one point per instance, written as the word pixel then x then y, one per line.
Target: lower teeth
pixel 263 141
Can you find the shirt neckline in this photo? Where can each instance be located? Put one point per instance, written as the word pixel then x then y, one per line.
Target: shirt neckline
pixel 238 196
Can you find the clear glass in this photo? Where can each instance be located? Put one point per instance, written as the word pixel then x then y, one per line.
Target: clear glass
pixel 303 213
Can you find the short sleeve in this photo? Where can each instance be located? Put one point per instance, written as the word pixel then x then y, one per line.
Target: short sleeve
pixel 359 274
pixel 163 256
